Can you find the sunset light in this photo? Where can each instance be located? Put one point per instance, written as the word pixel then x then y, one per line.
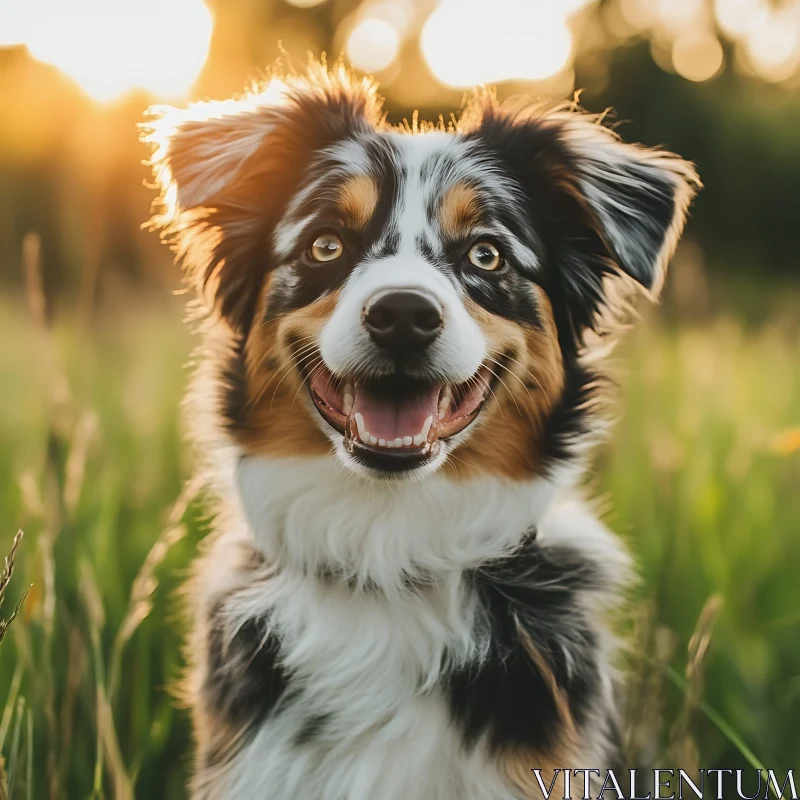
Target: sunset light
pixel 536 41
pixel 111 48
pixel 373 45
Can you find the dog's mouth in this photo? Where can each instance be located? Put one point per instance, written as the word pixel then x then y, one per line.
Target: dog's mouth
pixel 395 423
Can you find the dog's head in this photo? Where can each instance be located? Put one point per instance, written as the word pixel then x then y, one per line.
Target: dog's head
pixel 409 299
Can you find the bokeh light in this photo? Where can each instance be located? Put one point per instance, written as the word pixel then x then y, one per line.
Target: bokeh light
pixel 110 48
pixel 697 56
pixel 373 44
pixel 677 15
pixel 736 17
pixel 468 42
pixel 773 46
pixel 765 35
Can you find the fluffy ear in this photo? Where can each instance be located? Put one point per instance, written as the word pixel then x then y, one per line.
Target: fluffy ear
pixel 199 151
pixel 214 164
pixel 227 170
pixel 602 208
pixel 637 197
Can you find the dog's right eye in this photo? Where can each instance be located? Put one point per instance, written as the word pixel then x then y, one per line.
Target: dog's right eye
pixel 327 247
pixel 485 256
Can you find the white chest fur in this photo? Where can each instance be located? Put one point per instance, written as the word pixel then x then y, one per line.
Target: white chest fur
pixel 365 717
pixel 365 673
pixel 312 515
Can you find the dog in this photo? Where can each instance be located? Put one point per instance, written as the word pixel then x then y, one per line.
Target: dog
pixel 405 595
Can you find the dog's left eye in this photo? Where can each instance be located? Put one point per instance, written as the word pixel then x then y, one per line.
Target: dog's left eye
pixel 327 247
pixel 485 255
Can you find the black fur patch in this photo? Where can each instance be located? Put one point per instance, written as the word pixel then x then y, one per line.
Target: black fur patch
pixel 574 258
pixel 504 696
pixel 570 419
pixel 245 679
pixel 233 389
pixel 312 729
pixel 505 293
pixel 635 237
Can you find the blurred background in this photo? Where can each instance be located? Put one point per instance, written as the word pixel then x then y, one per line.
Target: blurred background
pixel 701 477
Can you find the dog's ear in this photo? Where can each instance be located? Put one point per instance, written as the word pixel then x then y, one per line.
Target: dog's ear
pixel 636 197
pixel 602 208
pixel 199 151
pixel 227 170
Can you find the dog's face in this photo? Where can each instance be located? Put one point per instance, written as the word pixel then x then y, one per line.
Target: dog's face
pixel 409 301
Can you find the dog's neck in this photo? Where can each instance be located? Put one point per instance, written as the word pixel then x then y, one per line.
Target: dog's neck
pixel 311 516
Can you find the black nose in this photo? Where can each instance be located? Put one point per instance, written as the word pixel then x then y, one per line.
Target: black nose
pixel 403 321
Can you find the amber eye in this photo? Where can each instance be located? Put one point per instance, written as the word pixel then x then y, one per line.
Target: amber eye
pixel 327 247
pixel 485 255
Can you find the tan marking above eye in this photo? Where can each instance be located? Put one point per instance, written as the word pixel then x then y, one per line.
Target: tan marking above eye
pixel 458 211
pixel 484 255
pixel 327 247
pixel 358 197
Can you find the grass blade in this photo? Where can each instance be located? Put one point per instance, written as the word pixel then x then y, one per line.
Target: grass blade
pixel 11 702
pixel 722 725
pixel 29 759
pixel 12 762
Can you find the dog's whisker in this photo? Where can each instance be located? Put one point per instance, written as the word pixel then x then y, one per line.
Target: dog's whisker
pixel 512 373
pixel 524 368
pixel 283 371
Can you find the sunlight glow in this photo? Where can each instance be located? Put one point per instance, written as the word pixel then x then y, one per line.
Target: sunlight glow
pixel 638 14
pixel 677 15
pixel 774 49
pixel 736 17
pixel 769 38
pixel 111 47
pixel 697 56
pixel 373 44
pixel 396 12
pixel 468 42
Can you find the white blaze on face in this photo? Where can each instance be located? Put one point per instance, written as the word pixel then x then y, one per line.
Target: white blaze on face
pixel 459 351
pixel 411 218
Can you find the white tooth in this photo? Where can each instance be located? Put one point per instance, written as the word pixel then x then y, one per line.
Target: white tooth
pixel 382 442
pixel 419 439
pixel 398 442
pixel 347 399
pixel 445 400
pixel 373 439
pixel 390 443
pixel 362 429
pixel 407 440
pixel 426 428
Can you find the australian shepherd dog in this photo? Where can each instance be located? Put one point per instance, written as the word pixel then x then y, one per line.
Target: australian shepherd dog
pixel 405 597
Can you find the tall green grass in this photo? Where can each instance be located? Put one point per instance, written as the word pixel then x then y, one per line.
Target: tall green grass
pixel 701 479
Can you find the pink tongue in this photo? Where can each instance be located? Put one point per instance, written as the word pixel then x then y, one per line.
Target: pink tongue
pixel 390 418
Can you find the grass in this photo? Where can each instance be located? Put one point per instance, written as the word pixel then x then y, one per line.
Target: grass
pixel 701 479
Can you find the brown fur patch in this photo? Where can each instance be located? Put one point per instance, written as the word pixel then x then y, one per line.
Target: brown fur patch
pixel 458 211
pixel 357 200
pixel 519 765
pixel 543 668
pixel 278 418
pixel 506 440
